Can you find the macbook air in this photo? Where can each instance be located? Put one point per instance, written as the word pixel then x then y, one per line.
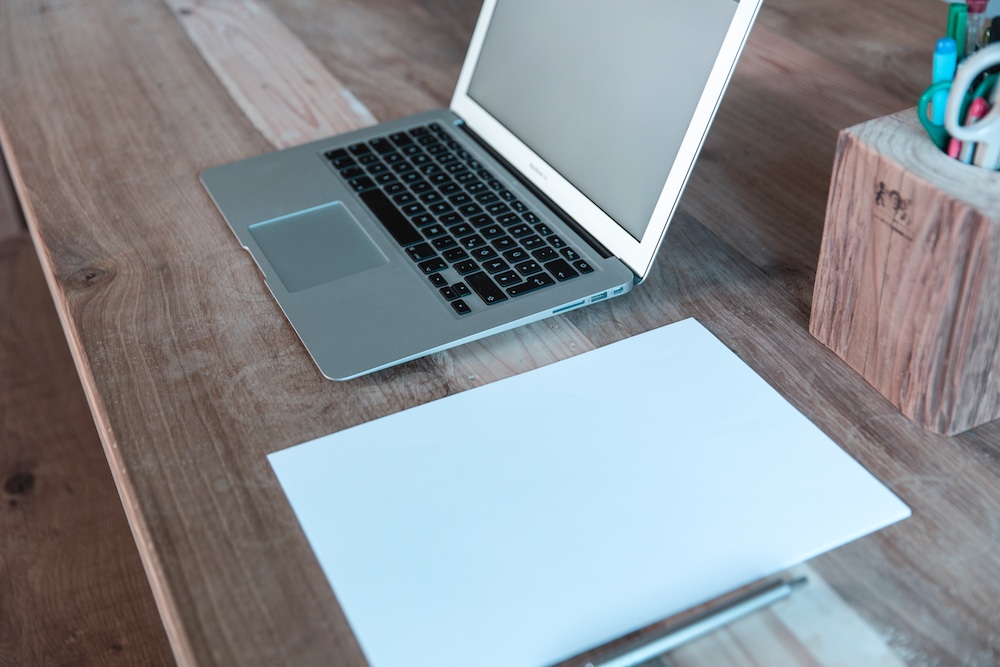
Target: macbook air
pixel 546 186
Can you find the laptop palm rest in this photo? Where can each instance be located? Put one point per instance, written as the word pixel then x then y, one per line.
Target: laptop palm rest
pixel 316 246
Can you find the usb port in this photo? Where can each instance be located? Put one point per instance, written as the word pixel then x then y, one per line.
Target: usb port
pixel 602 295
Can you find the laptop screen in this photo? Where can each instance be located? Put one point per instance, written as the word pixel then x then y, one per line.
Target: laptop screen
pixel 602 91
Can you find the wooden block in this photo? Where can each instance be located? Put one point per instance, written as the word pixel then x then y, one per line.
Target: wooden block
pixel 908 283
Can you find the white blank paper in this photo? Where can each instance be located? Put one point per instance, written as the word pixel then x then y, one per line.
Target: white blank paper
pixel 523 522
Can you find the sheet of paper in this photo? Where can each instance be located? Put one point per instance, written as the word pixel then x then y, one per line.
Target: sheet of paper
pixel 522 522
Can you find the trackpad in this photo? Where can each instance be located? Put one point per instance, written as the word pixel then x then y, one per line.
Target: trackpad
pixel 313 247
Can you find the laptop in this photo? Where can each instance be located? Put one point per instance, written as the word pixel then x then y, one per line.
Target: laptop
pixel 546 186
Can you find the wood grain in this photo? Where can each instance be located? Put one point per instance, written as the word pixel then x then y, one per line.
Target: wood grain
pixel 11 220
pixel 110 111
pixel 72 588
pixel 909 272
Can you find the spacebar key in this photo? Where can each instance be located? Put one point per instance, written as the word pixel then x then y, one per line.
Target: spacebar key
pixel 400 228
pixel 485 288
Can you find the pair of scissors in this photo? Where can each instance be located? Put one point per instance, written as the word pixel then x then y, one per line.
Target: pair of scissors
pixel 937 131
pixel 985 132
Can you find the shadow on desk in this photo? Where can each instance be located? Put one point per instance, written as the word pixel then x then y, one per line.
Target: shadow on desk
pixel 72 588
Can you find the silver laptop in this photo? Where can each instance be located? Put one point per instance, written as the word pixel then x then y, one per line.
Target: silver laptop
pixel 546 186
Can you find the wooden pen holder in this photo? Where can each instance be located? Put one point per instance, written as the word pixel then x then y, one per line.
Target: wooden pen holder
pixel 908 283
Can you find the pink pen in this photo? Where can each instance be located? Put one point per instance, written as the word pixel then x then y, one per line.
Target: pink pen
pixel 977 110
pixel 975 25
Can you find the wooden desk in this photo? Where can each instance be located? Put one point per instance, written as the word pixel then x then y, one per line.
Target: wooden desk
pixel 110 109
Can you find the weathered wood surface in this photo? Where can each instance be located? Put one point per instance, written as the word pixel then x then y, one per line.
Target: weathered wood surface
pixel 194 376
pixel 11 221
pixel 72 588
pixel 908 284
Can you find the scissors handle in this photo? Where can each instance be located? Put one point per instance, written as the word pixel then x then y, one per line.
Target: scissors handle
pixel 986 131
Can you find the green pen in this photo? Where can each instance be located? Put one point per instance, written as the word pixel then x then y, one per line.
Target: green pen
pixel 958 18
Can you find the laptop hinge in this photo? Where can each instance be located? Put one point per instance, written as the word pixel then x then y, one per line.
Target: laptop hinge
pixel 573 224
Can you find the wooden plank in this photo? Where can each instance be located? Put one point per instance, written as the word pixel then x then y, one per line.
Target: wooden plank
pixel 72 588
pixel 11 220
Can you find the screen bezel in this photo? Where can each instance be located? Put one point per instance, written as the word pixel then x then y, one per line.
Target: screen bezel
pixel 637 254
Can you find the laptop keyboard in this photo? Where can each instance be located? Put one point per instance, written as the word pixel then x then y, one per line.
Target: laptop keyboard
pixel 463 229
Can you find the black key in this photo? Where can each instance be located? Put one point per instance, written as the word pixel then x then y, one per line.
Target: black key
pixel 439 178
pixel 448 293
pixel 532 242
pixel 432 265
pixel 485 175
pixel 440 208
pixel 487 290
pixel 519 206
pixel 496 266
pixel 472 242
pixel 504 243
pixel 381 145
pixel 487 197
pixel 556 242
pixel 402 167
pixel 536 281
pixel 414 151
pixel 393 157
pixel 340 159
pixel 545 254
pixel 395 188
pixel 455 254
pixel 516 255
pixel 400 138
pixel 367 158
pixel 419 158
pixel 436 148
pixel 386 178
pixel 422 219
pixel 582 266
pixel 461 229
pixel 413 177
pixel 531 217
pixel 450 188
pixel 481 220
pixel 444 242
pixel 467 177
pixel 460 198
pixel 347 173
pixel 520 230
pixel 461 289
pixel 404 198
pixel 507 278
pixel 474 187
pixel 431 197
pixel 509 219
pixel 468 266
pixel 359 149
pixel 420 186
pixel 450 218
pixel 421 251
pixel 377 168
pixel 507 196
pixel 470 210
pixel 456 168
pixel 432 231
pixel 418 131
pixel 543 229
pixel 492 231
pixel 400 228
pixel 561 270
pixel 570 254
pixel 413 209
pixel 483 254
pixel 461 307
pixel 437 280
pixel 528 267
pixel 361 184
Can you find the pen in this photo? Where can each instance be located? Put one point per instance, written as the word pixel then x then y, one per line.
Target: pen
pixel 975 25
pixel 964 150
pixel 945 62
pixel 711 619
pixel 958 16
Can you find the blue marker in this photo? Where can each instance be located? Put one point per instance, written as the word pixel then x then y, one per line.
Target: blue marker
pixel 945 63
